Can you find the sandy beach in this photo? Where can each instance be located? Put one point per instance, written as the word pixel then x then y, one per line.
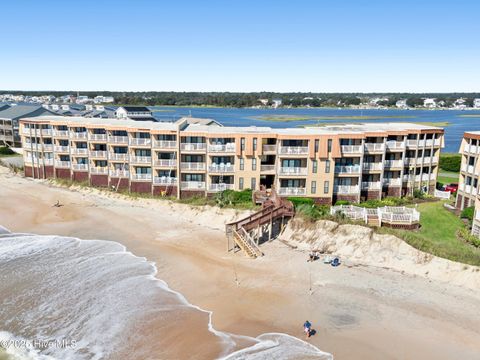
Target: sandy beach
pixel 359 311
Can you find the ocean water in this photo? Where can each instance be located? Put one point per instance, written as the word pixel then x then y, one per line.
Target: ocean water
pixel 66 298
pixel 459 123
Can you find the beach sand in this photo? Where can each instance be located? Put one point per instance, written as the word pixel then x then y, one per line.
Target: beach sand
pixel 358 311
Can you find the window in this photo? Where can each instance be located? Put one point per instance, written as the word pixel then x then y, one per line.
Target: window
pixel 240 183
pixel 314 187
pixel 242 144
pixel 329 145
pixel 314 166
pixel 254 164
pixel 326 186
pixel 327 166
pixel 254 144
pixel 317 145
pixel 242 164
pixel 253 183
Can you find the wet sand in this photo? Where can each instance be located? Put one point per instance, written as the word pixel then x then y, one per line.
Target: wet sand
pixel 359 312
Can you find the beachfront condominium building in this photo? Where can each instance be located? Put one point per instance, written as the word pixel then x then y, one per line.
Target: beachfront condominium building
pixel 200 157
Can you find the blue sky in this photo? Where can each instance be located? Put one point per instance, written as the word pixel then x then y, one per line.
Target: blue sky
pixel 349 45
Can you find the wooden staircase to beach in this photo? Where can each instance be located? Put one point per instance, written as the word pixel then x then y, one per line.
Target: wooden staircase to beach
pixel 241 234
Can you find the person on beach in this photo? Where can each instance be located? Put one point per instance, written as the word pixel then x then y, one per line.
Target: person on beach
pixel 307 327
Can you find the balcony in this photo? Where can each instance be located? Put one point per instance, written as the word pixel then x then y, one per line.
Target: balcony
pixel 220 187
pixel 413 161
pixel 118 139
pixel 429 142
pixel 371 185
pixel 371 166
pixel 99 170
pixel 60 133
pixel 196 166
pixel 392 182
pixel 346 189
pixel 62 164
pixel 80 151
pixel 468 168
pixel 165 163
pixel 374 147
pixel 347 169
pixel 267 148
pixel 98 137
pixel 193 146
pixel 294 150
pixel 192 185
pixel 395 145
pixel 393 164
pixel 120 173
pixel 141 159
pixel 267 167
pixel 47 132
pixel 226 148
pixel 119 156
pixel 221 168
pixel 98 154
pixel 351 149
pixel 472 149
pixel 164 180
pixel 295 171
pixel 62 149
pixel 140 142
pixel 164 144
pixel 292 191
pixel 47 147
pixel 437 142
pixel 48 161
pixel 142 177
pixel 78 135
pixel 415 143
pixel 82 167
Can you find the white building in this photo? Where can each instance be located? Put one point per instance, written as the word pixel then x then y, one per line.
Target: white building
pixel 276 103
pixel 103 99
pixel 402 104
pixel 429 103
pixel 476 103
pixel 140 113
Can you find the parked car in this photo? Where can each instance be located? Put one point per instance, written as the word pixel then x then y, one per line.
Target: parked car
pixel 453 188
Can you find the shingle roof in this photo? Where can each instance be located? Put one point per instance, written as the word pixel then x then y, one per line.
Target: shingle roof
pixel 136 108
pixel 21 111
pixel 4 106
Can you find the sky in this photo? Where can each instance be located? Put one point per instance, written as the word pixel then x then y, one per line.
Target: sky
pixel 244 45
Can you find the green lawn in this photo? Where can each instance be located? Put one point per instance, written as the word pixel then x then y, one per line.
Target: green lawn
pixel 447 177
pixel 437 234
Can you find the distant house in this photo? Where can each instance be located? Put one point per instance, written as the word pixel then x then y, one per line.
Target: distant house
pixel 264 102
pixel 138 113
pixel 103 99
pixel 276 103
pixel 460 104
pixel 429 103
pixel 476 103
pixel 9 121
pixel 402 104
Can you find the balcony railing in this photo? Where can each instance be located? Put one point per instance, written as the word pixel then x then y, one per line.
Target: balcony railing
pixel 141 159
pixel 346 189
pixel 415 143
pixel 62 164
pixel 371 185
pixel 267 167
pixel 351 149
pixel 395 145
pixel 61 149
pixel 120 173
pixel 293 171
pixel 141 141
pixel 60 133
pixel 164 180
pixel 393 163
pixel 371 166
pixel 118 156
pixel 144 177
pixel 47 147
pixel 374 147
pixel 229 147
pixel 347 169
pixel 98 153
pixel 83 167
pixel 78 135
pixel 166 162
pixel 437 142
pixel 193 146
pixel 164 144
pixel 192 166
pixel 269 148
pixel 48 161
pixel 468 168
pixel 80 151
pixel 292 191
pixel 192 185
pixel 47 132
pixel 99 170
pixel 221 168
pixel 97 137
pixel 294 150
pixel 220 187
pixel 118 139
pixel 392 182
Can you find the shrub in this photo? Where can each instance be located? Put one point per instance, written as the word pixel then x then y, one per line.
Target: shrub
pixel 6 151
pixel 312 212
pixel 297 201
pixel 418 194
pixel 450 162
pixel 465 235
pixel 342 202
pixel 467 213
pixel 232 198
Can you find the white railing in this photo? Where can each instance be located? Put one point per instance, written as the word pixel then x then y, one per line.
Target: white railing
pixel 78 135
pixel 371 185
pixel 61 133
pixel 372 147
pixel 425 177
pixel 388 214
pixel 269 148
pixel 468 168
pixel 142 177
pixel 164 144
pixel 221 168
pixel 47 147
pixel 62 164
pixel 373 166
pixel 164 180
pixel 140 141
pixel 118 139
pixel 442 194
pixel 192 185
pixel 48 161
pixel 98 153
pixel 434 159
pixel 347 169
pixel 97 137
pixel 436 142
pixel 292 191
pixel 392 182
pixel 413 161
pixel 99 170
pixel 118 156
pixel 165 162
pixel 120 173
pixel 47 132
pixel 293 150
pixel 267 167
pixel 429 142
pixel 293 171
pixel 80 166
pixel 220 187
pixel 192 166
pixel 467 189
pixel 415 143
pixel 229 147
pixel 141 159
pixel 395 145
pixel 346 189
pixel 351 149
pixel 393 163
pixel 63 149
pixel 80 151
pixel 193 146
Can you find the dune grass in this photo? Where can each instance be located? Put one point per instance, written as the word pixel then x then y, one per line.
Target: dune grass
pixel 287 118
